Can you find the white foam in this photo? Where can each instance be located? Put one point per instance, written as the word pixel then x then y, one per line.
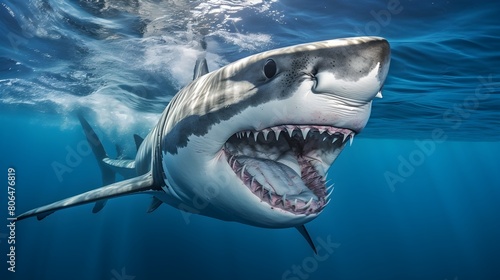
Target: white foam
pixel 176 60
pixel 251 41
pixel 106 111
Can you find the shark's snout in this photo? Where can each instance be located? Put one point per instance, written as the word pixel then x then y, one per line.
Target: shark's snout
pixel 355 71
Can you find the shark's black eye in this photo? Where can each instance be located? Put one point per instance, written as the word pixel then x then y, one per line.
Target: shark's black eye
pixel 270 68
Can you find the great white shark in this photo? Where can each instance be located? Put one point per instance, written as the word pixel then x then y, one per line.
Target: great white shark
pixel 251 142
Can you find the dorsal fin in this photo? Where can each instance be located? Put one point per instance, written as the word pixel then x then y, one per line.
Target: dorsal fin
pixel 120 153
pixel 302 229
pixel 138 141
pixel 200 68
pixel 108 175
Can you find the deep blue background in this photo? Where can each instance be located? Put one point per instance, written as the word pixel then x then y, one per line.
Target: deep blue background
pixel 441 222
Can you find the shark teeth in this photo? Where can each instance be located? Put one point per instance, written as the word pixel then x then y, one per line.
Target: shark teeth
pixel 276 133
pixel 328 202
pixel 265 133
pixel 307 205
pixel 328 195
pixel 323 133
pixel 242 172
pixel 309 144
pixel 305 131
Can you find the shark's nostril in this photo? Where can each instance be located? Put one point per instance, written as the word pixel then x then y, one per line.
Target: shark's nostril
pixel 314 71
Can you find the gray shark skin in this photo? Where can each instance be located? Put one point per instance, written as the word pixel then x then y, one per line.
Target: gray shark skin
pixel 252 141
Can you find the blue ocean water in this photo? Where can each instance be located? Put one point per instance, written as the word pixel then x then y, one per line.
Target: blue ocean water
pixel 417 195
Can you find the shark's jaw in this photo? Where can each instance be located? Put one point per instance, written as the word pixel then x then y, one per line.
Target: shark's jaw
pixel 285 166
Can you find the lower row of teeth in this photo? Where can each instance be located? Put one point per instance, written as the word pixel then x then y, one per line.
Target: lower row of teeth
pixel 308 207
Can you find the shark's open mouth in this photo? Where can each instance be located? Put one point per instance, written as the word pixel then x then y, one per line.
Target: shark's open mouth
pixel 285 166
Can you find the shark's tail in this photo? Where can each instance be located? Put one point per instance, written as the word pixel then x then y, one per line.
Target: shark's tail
pixel 140 184
pixel 108 174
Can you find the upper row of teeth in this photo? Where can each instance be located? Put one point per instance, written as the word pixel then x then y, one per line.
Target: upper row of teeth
pixel 324 131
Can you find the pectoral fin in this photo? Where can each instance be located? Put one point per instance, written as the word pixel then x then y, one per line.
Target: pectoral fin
pixel 135 185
